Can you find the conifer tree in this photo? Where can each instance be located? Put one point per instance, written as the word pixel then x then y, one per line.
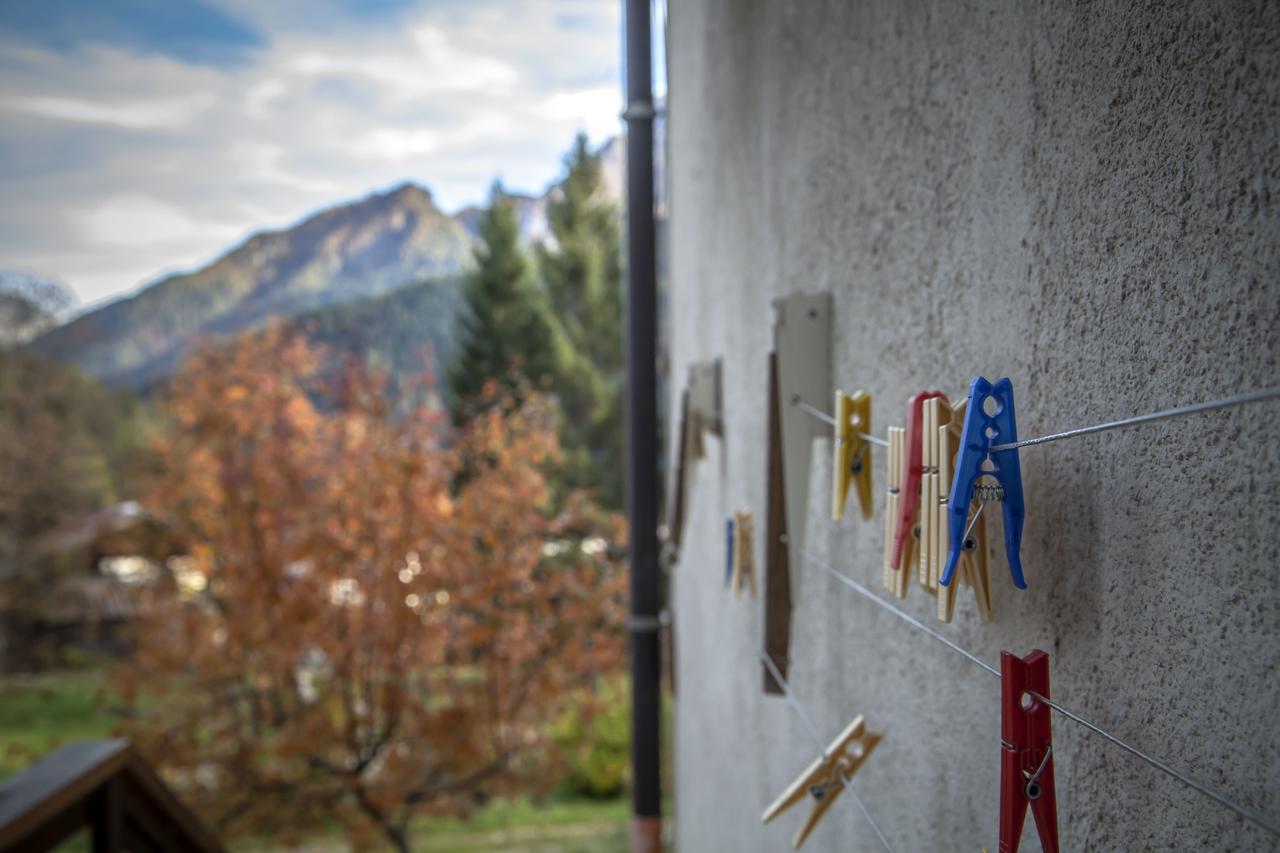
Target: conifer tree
pixel 505 334
pixel 581 268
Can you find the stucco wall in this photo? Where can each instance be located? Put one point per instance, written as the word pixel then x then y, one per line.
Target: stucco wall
pixel 1075 195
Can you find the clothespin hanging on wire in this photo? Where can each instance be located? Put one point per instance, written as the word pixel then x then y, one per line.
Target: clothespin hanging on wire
pixel 729 559
pixel 974 565
pixel 896 574
pixel 1026 751
pixel 743 569
pixel 823 780
pixel 906 523
pixel 851 453
pixel 988 421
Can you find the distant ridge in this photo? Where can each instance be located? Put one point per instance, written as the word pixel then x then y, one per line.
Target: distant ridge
pixel 372 246
pixel 357 253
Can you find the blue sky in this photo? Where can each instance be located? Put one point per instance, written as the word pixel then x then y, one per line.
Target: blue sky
pixel 144 136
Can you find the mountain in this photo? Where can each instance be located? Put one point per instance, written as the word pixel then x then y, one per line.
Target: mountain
pixel 363 249
pixel 531 215
pixel 403 332
pixel 29 305
pixel 333 272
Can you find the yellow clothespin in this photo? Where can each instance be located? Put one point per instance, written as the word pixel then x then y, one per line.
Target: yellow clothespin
pixel 823 779
pixel 852 452
pixel 744 561
pixel 973 568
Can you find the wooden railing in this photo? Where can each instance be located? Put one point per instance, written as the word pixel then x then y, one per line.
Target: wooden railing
pixel 103 786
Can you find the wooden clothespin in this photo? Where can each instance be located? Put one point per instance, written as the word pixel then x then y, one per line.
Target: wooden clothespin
pixel 909 453
pixel 799 373
pixel 1026 752
pixel 936 413
pixel 974 565
pixel 851 453
pixel 896 573
pixel 911 464
pixel 744 561
pixel 823 779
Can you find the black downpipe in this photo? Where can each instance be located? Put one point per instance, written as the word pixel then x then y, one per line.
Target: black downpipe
pixel 642 437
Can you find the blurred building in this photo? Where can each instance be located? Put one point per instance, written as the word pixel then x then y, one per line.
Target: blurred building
pixel 77 589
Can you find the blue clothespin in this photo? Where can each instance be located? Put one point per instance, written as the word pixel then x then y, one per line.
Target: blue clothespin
pixel 728 563
pixel 982 432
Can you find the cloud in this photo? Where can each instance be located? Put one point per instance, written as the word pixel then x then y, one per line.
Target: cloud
pixel 139 115
pixel 130 161
pixel 129 221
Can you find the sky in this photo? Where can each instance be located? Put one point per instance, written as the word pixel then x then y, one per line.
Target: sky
pixel 140 137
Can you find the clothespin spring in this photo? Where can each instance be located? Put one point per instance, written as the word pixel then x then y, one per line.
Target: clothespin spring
pixel 1033 789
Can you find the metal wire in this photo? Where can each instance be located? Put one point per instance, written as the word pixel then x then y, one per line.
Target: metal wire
pixel 1246 813
pixel 795 703
pixel 981 506
pixel 1225 402
pixel 817 739
pixel 817 413
pixel 827 419
pixel 904 616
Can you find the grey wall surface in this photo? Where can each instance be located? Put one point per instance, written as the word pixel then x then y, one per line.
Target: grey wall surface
pixel 1079 196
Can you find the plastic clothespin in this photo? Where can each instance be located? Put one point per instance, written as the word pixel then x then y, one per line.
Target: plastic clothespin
pixel 852 452
pixel 982 431
pixel 729 559
pixel 823 779
pixel 1026 752
pixel 744 564
pixel 912 469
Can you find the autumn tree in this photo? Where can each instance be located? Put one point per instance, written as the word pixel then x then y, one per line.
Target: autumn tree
pixel 581 269
pixel 358 635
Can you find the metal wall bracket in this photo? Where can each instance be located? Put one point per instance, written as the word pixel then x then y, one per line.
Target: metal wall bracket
pixel 701 411
pixel 800 372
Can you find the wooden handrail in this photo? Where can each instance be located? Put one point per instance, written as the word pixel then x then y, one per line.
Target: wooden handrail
pixel 103 785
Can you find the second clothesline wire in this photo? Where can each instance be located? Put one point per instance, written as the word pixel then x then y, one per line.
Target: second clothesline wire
pixel 1246 813
pixel 817 739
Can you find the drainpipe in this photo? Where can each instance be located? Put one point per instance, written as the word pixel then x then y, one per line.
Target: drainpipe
pixel 642 439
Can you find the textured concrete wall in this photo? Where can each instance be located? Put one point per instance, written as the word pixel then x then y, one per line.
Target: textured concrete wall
pixel 1080 196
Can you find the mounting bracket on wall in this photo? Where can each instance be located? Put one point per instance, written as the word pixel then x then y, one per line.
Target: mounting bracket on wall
pixel 799 373
pixel 701 411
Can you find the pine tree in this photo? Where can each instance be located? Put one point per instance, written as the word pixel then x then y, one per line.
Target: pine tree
pixel 505 335
pixel 581 268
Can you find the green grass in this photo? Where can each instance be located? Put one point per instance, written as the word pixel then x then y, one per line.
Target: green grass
pixel 572 826
pixel 558 826
pixel 39 713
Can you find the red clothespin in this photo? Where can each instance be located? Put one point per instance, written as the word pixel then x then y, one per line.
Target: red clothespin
pixel 1026 754
pixel 912 468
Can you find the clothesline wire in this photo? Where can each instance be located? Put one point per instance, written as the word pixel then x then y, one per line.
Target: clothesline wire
pixel 1224 403
pixel 1246 813
pixel 1194 408
pixel 823 416
pixel 817 739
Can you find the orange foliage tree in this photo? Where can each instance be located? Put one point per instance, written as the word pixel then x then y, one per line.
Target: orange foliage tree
pixel 379 616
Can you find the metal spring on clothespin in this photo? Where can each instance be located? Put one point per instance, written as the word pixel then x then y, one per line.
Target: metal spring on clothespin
pixel 988 492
